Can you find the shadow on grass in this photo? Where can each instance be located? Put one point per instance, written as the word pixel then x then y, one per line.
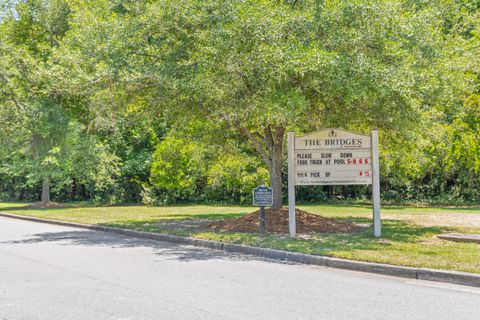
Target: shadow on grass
pixel 396 230
pixel 393 231
pixel 178 224
pixel 14 208
pixel 353 205
pixel 28 206
pixel 387 207
pixel 211 216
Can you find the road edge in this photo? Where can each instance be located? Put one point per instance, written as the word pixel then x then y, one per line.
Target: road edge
pixel 455 277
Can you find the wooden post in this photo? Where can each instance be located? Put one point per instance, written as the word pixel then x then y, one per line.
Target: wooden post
pixel 262 220
pixel 377 229
pixel 291 185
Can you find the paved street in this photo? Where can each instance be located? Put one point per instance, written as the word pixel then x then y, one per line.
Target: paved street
pixel 52 272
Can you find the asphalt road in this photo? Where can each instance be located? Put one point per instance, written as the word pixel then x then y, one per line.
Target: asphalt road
pixel 52 272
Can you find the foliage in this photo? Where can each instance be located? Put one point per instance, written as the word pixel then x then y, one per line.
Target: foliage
pixel 232 177
pixel 99 97
pixel 185 169
pixel 178 167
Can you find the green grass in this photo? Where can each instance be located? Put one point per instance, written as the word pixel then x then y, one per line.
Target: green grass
pixel 124 214
pixel 408 232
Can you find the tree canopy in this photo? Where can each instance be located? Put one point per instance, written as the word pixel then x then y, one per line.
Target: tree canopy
pixel 170 95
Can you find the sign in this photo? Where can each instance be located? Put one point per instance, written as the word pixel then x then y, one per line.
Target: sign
pixel 262 196
pixel 333 157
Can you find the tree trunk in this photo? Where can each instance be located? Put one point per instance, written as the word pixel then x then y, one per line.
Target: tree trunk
pixel 276 179
pixel 270 147
pixel 73 194
pixel 45 191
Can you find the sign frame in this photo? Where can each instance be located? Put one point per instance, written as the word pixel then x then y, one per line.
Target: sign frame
pixel 375 176
pixel 263 204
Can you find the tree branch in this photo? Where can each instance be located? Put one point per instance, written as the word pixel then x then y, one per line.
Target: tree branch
pixel 157 58
pixel 269 138
pixel 279 135
pixel 256 142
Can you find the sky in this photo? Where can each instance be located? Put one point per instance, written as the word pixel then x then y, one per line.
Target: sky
pixel 7 7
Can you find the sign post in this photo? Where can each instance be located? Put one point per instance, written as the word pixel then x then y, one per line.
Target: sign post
pixel 262 220
pixel 292 221
pixel 262 197
pixel 376 185
pixel 333 157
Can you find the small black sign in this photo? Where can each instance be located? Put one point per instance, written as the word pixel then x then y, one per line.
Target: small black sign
pixel 262 196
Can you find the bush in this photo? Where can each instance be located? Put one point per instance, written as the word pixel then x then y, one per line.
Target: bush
pixel 194 171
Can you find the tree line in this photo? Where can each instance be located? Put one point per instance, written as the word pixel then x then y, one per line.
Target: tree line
pixel 164 101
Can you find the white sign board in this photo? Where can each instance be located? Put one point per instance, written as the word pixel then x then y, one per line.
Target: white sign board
pixel 333 157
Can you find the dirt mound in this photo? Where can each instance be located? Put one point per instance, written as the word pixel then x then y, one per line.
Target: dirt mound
pixel 277 222
pixel 49 205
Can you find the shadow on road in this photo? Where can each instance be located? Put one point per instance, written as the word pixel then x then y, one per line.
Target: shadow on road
pixel 170 251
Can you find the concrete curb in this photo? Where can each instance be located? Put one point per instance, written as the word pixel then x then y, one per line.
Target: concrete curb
pixel 475 238
pixel 462 278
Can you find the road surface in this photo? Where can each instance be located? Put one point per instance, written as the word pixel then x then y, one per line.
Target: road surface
pixel 53 272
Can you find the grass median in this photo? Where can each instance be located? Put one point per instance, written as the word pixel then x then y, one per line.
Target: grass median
pixel 408 233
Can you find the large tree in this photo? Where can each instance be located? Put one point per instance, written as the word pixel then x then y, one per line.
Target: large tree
pixel 34 125
pixel 29 31
pixel 264 67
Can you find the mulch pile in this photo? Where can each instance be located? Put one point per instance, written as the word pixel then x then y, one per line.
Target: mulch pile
pixel 277 222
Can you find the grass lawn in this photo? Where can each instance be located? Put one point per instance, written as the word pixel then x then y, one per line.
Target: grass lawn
pixel 408 232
